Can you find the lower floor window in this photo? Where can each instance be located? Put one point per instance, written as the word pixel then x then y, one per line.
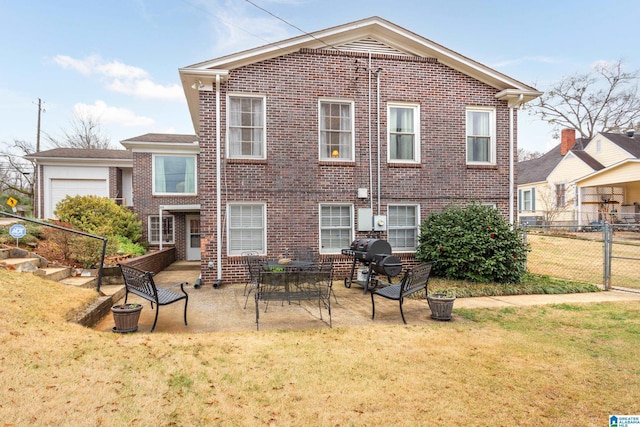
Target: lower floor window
pixel 403 226
pixel 336 228
pixel 167 229
pixel 247 228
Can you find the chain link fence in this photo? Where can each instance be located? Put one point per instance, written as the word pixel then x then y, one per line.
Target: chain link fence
pixel 603 254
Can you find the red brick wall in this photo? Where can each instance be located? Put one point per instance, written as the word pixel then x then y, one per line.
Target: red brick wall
pixel 293 182
pixel 146 204
pixel 153 261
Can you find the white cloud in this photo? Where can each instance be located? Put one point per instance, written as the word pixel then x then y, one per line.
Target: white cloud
pixel 107 115
pixel 526 59
pixel 121 78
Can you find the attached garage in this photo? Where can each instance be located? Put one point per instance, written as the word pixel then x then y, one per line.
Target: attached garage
pixel 61 188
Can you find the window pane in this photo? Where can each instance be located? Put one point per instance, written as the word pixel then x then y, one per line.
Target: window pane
pixel 403 227
pixel 175 174
pixel 335 130
pixel 246 228
pixel 167 229
pixel 246 127
pixel 479 144
pixel 335 228
pixel 402 133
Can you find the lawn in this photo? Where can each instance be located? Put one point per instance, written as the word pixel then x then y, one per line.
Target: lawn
pixel 582 260
pixel 537 366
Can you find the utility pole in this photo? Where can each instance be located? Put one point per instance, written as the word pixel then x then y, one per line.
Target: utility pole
pixel 40 111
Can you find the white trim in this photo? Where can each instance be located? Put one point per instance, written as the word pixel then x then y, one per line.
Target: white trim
pixel 352 114
pixel 352 220
pixel 153 174
pixel 264 125
pixel 416 131
pixel 161 231
pixel 492 133
pixel 264 227
pixel 417 225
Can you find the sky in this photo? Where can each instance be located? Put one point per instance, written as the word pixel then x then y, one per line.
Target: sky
pixel 118 60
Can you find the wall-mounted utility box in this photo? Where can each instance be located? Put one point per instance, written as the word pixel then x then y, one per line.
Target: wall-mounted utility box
pixel 365 219
pixel 380 223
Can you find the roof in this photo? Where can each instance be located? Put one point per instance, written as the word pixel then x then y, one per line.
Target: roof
pixel 375 34
pixel 82 153
pixel 538 169
pixel 630 144
pixel 164 138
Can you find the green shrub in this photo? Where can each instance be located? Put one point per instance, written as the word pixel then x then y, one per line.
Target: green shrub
pixel 100 216
pixel 127 247
pixel 472 243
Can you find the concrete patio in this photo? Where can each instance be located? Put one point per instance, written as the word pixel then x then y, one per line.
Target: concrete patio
pixel 222 309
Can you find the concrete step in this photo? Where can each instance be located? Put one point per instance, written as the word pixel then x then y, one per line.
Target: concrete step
pixel 54 273
pixel 81 281
pixel 21 264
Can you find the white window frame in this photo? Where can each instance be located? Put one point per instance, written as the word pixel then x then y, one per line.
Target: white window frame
pixel 492 134
pixel 156 192
pixel 156 219
pixel 527 205
pixel 416 227
pixel 351 149
pixel 416 131
pixel 263 147
pixel 231 230
pixel 323 250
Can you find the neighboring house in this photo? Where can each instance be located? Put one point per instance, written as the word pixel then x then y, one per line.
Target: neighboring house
pixel 580 182
pixel 360 129
pixel 62 172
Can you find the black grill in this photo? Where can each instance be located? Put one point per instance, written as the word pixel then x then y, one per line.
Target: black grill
pixel 375 254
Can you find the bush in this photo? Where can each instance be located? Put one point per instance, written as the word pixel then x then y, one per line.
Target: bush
pixel 473 243
pixel 100 216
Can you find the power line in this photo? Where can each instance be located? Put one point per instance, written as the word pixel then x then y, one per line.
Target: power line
pixel 291 25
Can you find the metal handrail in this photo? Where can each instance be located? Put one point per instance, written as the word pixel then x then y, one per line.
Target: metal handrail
pixel 82 233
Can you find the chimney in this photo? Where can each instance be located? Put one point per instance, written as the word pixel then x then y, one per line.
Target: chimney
pixel 567 140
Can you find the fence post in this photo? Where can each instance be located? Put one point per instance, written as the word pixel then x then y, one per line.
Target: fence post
pixel 524 242
pixel 607 242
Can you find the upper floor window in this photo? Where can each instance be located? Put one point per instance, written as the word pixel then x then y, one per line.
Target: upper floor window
pixel 336 227
pixel 246 127
pixel 403 226
pixel 167 229
pixel 481 135
pixel 336 130
pixel 174 174
pixel 404 136
pixel 247 228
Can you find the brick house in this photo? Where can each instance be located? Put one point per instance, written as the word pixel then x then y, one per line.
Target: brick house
pixel 357 129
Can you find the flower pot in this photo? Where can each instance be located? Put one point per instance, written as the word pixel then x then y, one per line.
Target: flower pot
pixel 126 317
pixel 441 306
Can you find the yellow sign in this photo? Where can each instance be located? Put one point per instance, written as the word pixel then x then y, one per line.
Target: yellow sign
pixel 12 202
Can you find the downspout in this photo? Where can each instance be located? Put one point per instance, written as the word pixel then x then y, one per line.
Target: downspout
pixel 160 209
pixel 218 189
pixel 370 148
pixel 511 161
pixel 378 130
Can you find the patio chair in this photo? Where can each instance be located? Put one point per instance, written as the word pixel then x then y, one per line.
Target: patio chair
pixel 305 254
pixel 414 280
pixel 253 262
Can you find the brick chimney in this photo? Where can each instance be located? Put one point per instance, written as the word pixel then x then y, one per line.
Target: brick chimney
pixel 567 140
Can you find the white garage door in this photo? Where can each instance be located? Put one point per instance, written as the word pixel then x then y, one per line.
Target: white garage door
pixel 61 188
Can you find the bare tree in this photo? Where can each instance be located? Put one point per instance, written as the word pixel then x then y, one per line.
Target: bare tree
pixel 524 154
pixel 603 100
pixel 17 173
pixel 85 133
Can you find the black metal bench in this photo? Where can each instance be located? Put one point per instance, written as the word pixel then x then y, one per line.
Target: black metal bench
pixel 414 280
pixel 303 284
pixel 141 283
